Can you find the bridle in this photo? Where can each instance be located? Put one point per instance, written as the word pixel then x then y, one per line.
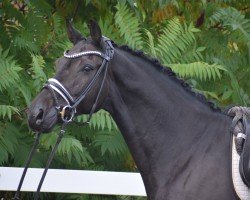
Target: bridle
pixel 68 112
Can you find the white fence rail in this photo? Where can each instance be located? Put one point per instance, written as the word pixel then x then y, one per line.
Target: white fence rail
pixel 74 181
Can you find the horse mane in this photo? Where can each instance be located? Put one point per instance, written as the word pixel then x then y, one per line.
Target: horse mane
pixel 168 71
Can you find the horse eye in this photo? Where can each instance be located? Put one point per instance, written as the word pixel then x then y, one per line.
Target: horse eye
pixel 88 68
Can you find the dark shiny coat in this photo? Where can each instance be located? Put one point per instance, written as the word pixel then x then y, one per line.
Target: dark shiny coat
pixel 180 142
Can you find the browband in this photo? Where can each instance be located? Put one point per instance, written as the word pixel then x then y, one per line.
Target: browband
pixel 84 53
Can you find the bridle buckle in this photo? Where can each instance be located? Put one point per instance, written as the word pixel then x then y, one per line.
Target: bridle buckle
pixel 67 113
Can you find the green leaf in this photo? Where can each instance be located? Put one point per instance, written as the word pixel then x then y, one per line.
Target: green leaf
pixel 199 70
pixel 8 141
pixel 37 67
pixel 7 110
pixel 9 71
pixel 176 43
pixel 129 26
pixel 110 141
pixel 227 95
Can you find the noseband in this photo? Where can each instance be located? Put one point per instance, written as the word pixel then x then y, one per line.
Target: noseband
pixel 67 112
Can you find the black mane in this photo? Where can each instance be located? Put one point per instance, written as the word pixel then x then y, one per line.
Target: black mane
pixel 167 70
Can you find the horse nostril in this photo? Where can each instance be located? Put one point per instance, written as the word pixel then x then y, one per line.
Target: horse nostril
pixel 39 117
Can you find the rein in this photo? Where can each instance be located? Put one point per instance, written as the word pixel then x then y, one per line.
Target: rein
pixel 68 112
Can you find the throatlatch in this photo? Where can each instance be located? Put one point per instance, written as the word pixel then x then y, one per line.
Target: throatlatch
pixel 67 112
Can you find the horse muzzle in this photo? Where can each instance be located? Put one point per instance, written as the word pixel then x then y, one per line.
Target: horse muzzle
pixel 40 120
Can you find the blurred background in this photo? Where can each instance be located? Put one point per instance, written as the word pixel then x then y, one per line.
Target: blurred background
pixel 205 42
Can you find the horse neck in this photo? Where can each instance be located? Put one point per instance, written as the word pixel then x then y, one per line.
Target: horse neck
pixel 158 118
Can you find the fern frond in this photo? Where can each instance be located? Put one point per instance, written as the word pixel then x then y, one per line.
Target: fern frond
pixel 25 91
pixel 37 67
pixel 49 140
pixel 26 41
pixel 151 44
pixel 8 141
pixel 57 22
pixel 70 146
pixel 233 20
pixel 38 74
pixel 33 32
pixel 41 6
pixel 108 29
pixel 110 141
pixel 200 70
pixel 236 89
pixel 8 70
pixel 100 120
pixel 7 110
pixel 175 42
pixel 128 26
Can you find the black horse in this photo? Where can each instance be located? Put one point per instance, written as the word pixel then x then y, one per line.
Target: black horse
pixel 179 141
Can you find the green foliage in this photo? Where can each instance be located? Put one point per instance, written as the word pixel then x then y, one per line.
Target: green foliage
pixel 110 141
pixel 128 26
pixel 228 45
pixel 198 70
pixel 37 72
pixel 100 121
pixel 177 42
pixel 8 141
pixel 212 54
pixel 7 111
pixel 9 70
pixel 233 20
pixel 69 147
pixel 150 44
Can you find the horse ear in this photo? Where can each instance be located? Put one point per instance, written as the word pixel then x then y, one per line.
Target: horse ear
pixel 95 32
pixel 73 34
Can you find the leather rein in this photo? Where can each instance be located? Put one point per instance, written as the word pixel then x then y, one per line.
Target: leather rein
pixel 67 113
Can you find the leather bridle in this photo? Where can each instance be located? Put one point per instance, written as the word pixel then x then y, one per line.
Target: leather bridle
pixel 67 112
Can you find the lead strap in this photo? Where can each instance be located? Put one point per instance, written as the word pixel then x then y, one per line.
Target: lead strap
pixel 51 156
pixel 17 194
pixel 61 134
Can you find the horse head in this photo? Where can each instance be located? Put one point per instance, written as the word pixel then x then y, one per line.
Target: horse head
pixel 79 85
